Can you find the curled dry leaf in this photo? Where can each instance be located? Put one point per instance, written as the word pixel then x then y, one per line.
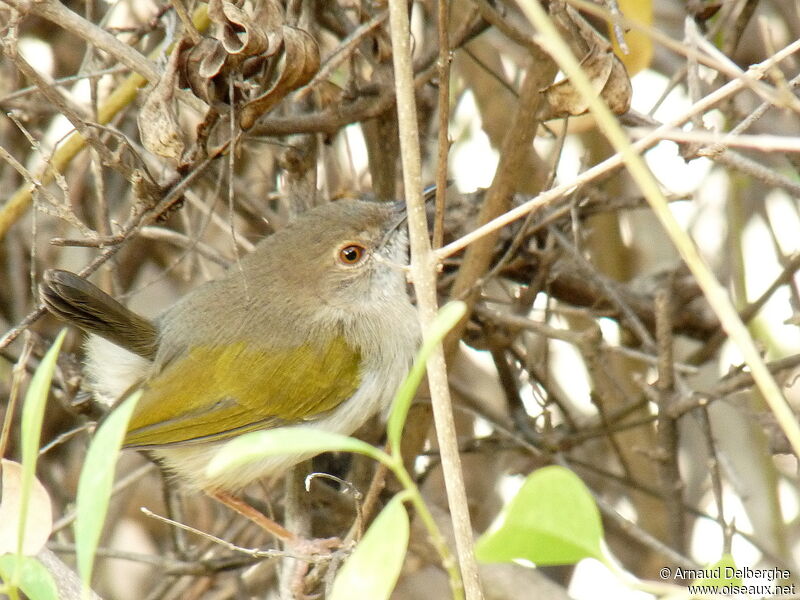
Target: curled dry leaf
pixel 609 79
pixel 39 522
pixel 237 31
pixel 200 66
pixel 590 36
pixel 603 68
pixel 158 119
pixel 233 69
pixel 565 100
pixel 618 91
pixel 300 63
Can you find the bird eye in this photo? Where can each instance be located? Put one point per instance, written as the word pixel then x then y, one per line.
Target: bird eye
pixel 352 254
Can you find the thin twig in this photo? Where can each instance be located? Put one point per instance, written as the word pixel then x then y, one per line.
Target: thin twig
pixel 60 15
pixel 747 313
pixel 253 552
pixel 619 33
pixel 423 269
pixel 631 318
pixel 121 484
pixel 136 222
pixel 667 429
pixel 168 565
pixel 513 159
pixel 18 372
pixel 122 96
pixel 344 49
pixel 716 479
pixel 443 102
pixel 759 142
pixel 188 25
pixel 61 81
pixel 570 336
pixel 716 294
pixel 617 160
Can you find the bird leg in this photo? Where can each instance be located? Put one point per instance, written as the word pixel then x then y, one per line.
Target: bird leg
pixel 256 516
pixel 291 541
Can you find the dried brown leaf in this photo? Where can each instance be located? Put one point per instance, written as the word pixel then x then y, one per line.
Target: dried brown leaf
pixel 158 119
pixel 211 58
pixel 593 38
pixel 200 65
pixel 562 97
pixel 618 91
pixel 237 30
pixel 300 63
pixel 608 78
pixel 39 522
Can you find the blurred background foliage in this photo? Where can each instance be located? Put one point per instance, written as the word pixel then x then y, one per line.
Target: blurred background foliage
pixel 589 343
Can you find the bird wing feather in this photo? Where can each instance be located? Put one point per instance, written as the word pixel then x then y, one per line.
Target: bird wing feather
pixel 216 392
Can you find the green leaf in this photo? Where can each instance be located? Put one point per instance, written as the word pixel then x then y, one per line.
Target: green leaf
pixel 553 520
pixel 372 570
pixel 450 314
pixel 34 579
pixel 96 481
pixel 286 440
pixel 725 567
pixel 32 417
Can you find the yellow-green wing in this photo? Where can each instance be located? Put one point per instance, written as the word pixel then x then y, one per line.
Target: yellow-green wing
pixel 213 392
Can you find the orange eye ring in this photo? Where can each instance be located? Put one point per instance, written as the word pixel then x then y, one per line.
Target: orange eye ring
pixel 352 254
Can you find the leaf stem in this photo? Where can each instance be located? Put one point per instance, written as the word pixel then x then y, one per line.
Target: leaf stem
pixel 437 539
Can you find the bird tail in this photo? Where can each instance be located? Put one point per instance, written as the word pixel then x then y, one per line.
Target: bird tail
pixel 73 299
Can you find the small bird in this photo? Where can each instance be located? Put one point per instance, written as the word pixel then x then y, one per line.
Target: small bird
pixel 314 327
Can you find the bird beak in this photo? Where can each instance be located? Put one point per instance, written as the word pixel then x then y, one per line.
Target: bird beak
pixel 400 216
pixel 400 209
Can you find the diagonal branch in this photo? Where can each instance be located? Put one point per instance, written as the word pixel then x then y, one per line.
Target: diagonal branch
pixel 60 15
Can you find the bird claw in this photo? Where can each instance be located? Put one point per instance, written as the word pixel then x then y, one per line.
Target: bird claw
pixel 319 548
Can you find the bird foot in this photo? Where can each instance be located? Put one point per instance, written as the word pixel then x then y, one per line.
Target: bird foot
pixel 317 549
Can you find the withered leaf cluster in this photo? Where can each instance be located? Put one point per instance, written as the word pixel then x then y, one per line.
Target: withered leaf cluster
pixel 251 61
